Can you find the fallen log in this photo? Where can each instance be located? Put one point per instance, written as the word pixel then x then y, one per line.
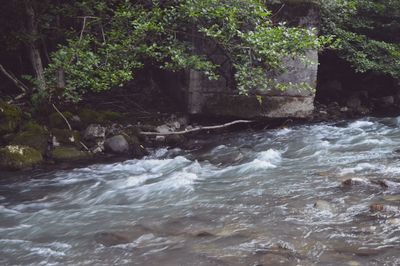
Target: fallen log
pixel 196 129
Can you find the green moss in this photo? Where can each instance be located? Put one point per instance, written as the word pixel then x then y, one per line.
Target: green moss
pixel 110 116
pixel 10 117
pixel 32 126
pixel 34 139
pixel 64 135
pixel 56 120
pixel 16 157
pixel 89 116
pixel 69 154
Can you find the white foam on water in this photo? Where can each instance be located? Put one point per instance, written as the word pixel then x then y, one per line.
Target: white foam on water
pixel 47 252
pixel 360 124
pixel 134 181
pixel 358 168
pixel 271 156
pixel 265 160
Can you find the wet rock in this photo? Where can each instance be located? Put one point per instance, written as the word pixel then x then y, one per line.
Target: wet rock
pixel 392 198
pixel 108 239
pixel 386 101
pixel 16 157
pixel 117 144
pixel 323 205
pixel 356 181
pixel 67 154
pixel 353 102
pixel 382 208
pixel 160 139
pixel 175 140
pixel 135 142
pixel 10 117
pixel 94 131
pixel 163 129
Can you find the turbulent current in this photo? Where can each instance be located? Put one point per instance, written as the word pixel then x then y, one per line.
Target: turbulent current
pixel 273 197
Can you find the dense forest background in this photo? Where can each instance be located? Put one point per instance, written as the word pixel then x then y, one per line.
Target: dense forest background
pixel 60 50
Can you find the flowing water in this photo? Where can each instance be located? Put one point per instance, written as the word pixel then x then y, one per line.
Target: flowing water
pixel 272 197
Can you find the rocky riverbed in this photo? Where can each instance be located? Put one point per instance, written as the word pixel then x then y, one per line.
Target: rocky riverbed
pixel 322 194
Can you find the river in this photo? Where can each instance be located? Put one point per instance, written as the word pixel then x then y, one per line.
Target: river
pixel 272 197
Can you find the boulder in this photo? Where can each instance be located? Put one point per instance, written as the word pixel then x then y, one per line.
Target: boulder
pixel 16 157
pixel 163 129
pixel 94 131
pixel 117 144
pixel 67 154
pixel 386 101
pixel 353 102
pixel 10 117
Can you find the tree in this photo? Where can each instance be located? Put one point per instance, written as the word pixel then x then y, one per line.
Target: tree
pixel 90 45
pixel 366 32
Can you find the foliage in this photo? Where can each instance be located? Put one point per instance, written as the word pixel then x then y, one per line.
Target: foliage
pixel 119 37
pixel 366 32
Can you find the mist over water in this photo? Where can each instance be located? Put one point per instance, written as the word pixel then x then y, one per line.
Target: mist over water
pixel 260 198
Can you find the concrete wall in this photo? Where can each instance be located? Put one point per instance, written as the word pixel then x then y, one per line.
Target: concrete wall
pixel 219 98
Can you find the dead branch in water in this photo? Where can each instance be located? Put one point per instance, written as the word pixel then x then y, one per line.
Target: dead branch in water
pixel 196 129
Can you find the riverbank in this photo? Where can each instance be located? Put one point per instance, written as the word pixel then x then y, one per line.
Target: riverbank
pixel 112 128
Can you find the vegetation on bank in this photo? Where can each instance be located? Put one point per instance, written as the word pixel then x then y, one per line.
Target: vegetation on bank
pixel 79 46
pixel 58 51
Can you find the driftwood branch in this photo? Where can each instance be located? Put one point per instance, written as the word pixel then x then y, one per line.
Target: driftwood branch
pixel 196 129
pixel 70 128
pixel 17 82
pixel 65 119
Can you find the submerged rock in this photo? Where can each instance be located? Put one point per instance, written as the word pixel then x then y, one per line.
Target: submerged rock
pixel 323 205
pixel 16 157
pixel 356 181
pixel 382 208
pixel 108 239
pixel 65 154
pixel 117 144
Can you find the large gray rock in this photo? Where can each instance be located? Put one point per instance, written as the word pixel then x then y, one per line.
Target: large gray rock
pixel 117 144
pixel 94 131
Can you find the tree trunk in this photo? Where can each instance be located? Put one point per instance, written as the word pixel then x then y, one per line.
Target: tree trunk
pixel 34 46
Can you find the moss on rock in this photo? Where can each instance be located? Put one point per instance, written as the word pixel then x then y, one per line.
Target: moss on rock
pixel 63 136
pixel 66 154
pixel 32 126
pixel 34 136
pixel 10 117
pixel 89 116
pixel 16 157
pixel 57 121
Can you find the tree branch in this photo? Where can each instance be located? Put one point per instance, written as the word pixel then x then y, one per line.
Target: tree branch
pixel 196 129
pixel 17 82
